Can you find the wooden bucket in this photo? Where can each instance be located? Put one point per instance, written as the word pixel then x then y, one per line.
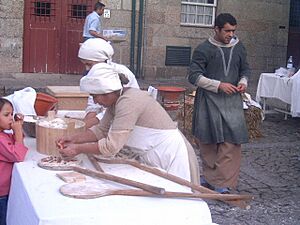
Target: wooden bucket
pixel 47 135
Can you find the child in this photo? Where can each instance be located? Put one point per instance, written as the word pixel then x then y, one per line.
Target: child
pixel 12 150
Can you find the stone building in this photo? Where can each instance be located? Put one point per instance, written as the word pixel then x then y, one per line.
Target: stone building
pixel 166 32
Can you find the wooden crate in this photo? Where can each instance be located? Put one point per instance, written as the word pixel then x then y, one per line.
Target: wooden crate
pixel 69 97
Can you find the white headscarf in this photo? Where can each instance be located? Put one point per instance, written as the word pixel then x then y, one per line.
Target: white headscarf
pixel 96 49
pixel 101 79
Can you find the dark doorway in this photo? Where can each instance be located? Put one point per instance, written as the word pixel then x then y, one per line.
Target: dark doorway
pixel 294 33
pixel 52 33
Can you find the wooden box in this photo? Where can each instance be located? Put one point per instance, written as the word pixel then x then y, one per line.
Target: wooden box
pixel 69 97
pixel 47 134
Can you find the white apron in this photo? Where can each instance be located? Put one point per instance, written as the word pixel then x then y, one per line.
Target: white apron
pixel 165 149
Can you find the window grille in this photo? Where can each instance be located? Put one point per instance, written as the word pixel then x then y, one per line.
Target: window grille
pixel 178 56
pixel 198 12
pixel 42 8
pixel 79 11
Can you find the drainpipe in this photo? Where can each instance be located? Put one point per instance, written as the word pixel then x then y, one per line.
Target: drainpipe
pixel 140 39
pixel 132 38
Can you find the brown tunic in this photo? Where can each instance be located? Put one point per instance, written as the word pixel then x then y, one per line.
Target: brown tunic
pixel 135 108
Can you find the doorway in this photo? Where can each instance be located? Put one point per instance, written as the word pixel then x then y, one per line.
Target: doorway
pixel 52 34
pixel 294 33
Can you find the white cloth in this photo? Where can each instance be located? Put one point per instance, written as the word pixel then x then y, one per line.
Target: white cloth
pixel 272 86
pixel 38 201
pixel 286 89
pixel 152 91
pixel 165 149
pixel 295 99
pixel 248 101
pixel 101 79
pixel 23 101
pixel 119 68
pixel 96 49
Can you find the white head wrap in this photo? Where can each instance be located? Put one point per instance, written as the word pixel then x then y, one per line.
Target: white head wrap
pixel 101 79
pixel 96 49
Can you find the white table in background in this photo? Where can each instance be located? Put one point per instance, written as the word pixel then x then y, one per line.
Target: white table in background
pixel 35 200
pixel 273 86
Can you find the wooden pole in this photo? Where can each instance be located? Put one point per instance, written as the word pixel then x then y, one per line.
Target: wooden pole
pixel 101 175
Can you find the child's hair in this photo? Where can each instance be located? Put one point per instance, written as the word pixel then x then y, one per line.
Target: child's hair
pixel 3 101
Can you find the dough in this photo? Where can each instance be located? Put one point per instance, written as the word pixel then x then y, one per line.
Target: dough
pixel 57 163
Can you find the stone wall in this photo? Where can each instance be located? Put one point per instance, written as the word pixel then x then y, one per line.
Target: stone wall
pixel 262 26
pixel 11 35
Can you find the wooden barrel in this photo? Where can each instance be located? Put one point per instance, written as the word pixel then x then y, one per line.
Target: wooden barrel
pixel 47 133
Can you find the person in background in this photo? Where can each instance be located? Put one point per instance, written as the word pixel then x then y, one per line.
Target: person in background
pixel 12 150
pixel 220 71
pixel 93 26
pixel 95 51
pixel 133 119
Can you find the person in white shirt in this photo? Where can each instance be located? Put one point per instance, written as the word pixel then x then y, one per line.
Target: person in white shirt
pixel 93 26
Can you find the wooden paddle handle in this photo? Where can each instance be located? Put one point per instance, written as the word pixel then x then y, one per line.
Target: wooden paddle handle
pixel 101 175
pixel 169 194
pixel 95 163
pixel 237 202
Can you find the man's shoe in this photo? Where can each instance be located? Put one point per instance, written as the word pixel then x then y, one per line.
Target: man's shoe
pixel 222 190
pixel 204 183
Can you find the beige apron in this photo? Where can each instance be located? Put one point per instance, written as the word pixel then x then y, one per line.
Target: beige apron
pixel 165 149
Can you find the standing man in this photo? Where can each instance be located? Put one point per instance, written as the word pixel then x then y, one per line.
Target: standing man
pixel 220 71
pixel 93 25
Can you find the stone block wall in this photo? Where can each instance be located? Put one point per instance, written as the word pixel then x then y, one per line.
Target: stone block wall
pixel 262 26
pixel 11 35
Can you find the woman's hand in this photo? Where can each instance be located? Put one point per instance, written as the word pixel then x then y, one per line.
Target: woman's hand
pixel 63 142
pixel 69 151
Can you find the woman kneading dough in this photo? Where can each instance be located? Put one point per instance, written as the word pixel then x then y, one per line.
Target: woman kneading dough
pixel 133 119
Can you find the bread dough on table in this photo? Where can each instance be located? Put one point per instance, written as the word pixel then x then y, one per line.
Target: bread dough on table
pixel 57 163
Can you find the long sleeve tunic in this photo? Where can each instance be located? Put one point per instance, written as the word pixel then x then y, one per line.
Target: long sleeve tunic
pixel 219 117
pixel 10 152
pixel 136 108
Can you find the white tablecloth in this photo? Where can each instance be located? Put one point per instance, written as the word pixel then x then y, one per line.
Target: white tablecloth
pixel 283 88
pixel 35 200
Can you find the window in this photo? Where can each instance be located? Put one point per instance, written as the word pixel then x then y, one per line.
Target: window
pixel 295 13
pixel 42 8
pixel 79 11
pixel 198 12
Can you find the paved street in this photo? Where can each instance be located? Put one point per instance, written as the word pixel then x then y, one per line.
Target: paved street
pixel 271 173
pixel 270 167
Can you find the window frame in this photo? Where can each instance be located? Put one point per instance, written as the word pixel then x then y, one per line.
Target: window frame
pixel 214 9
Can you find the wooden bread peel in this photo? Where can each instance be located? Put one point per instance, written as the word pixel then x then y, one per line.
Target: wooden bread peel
pixel 87 190
pixel 240 200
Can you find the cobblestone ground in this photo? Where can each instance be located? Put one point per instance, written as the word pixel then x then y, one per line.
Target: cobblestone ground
pixel 270 172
